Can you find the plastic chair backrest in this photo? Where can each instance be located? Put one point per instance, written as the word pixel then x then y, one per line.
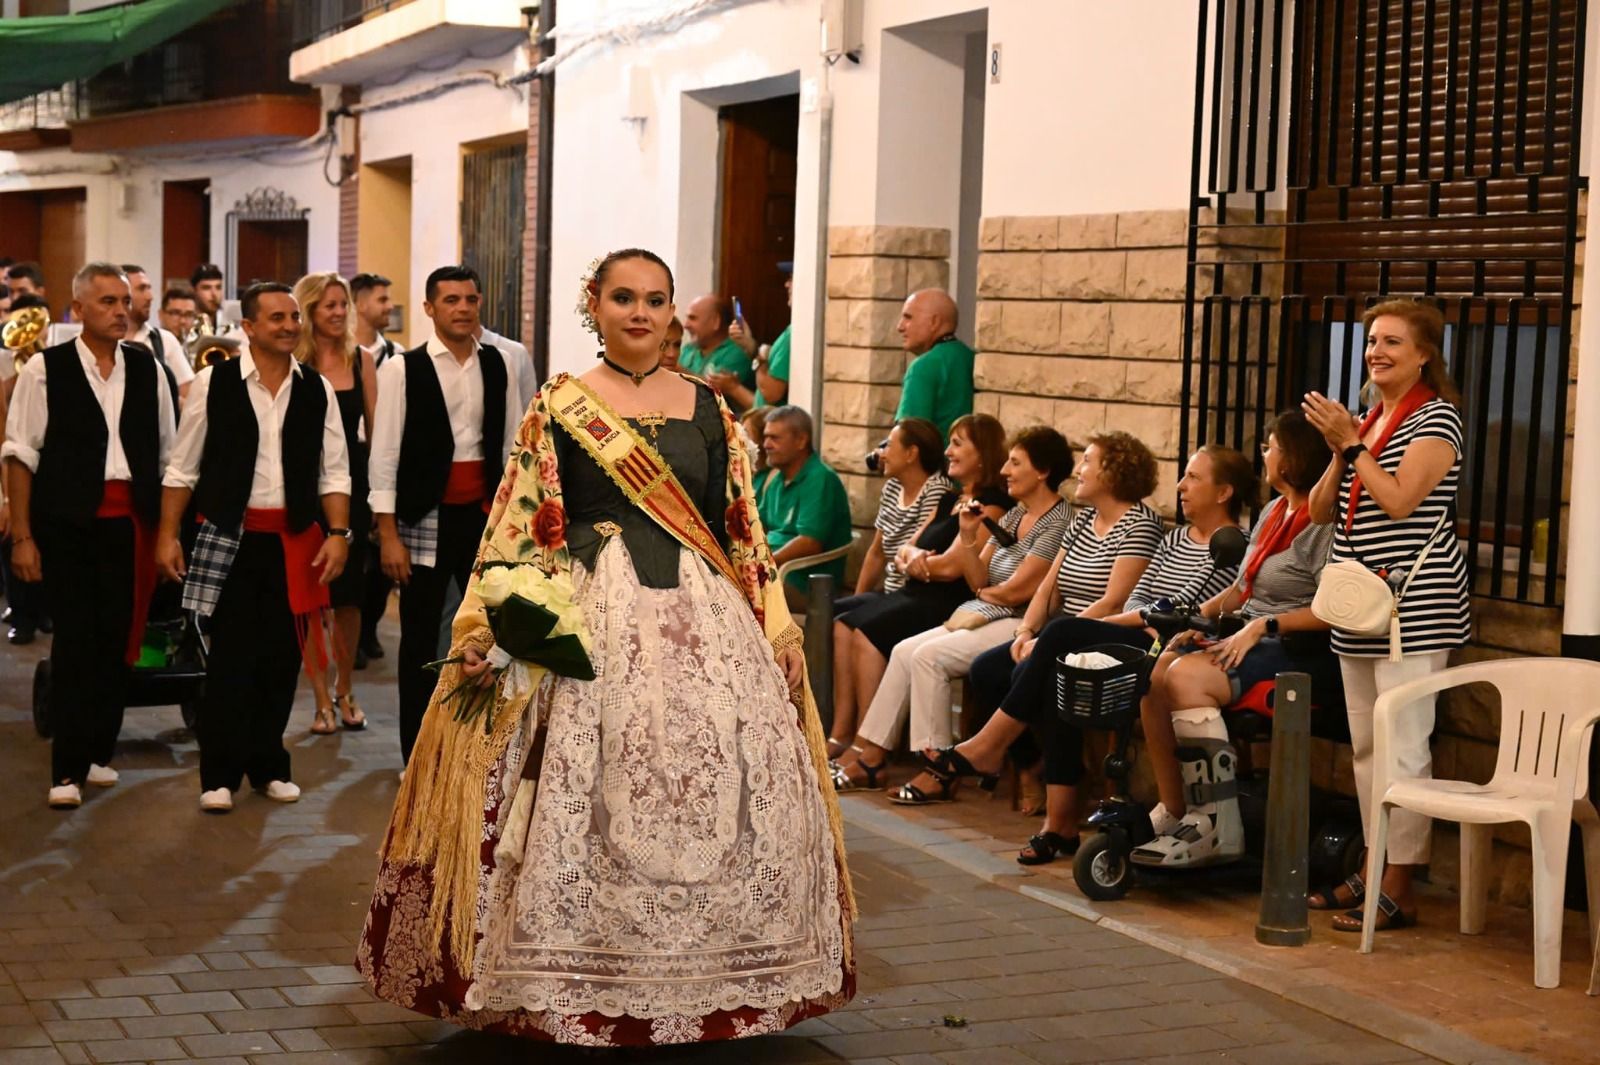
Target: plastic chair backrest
pixel 1540 703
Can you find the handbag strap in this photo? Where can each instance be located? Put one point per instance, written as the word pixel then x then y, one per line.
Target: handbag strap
pixel 1422 557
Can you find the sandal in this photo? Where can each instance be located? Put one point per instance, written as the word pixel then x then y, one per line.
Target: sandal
pixel 911 795
pixel 350 717
pixel 1328 898
pixel 1046 846
pixel 843 782
pixel 1390 915
pixel 836 749
pixel 949 765
pixel 325 723
pixel 1030 795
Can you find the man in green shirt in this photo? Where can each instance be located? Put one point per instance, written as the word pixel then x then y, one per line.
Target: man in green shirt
pixel 938 383
pixel 707 348
pixel 772 361
pixel 802 502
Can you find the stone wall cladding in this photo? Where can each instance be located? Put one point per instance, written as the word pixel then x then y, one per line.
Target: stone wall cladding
pixel 871 271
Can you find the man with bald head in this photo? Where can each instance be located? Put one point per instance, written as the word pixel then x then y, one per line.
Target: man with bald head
pixel 707 348
pixel 938 383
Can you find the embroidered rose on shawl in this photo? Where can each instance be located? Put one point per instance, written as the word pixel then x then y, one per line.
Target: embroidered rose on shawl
pixel 549 472
pixel 738 519
pixel 549 527
pixel 532 430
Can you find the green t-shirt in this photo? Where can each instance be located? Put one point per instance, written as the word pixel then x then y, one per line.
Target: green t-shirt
pixel 777 363
pixel 938 385
pixel 727 357
pixel 814 504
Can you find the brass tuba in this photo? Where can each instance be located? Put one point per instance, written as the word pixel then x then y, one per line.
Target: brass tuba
pixel 208 349
pixel 25 334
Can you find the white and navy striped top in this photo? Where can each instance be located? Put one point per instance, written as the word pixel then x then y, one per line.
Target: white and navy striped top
pixel 1181 572
pixel 1086 569
pixel 899 524
pixel 1042 541
pixel 1435 614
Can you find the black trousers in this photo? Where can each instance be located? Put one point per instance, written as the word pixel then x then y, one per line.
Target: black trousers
pixel 422 612
pixel 1026 691
pixel 251 673
pixel 374 596
pixel 88 573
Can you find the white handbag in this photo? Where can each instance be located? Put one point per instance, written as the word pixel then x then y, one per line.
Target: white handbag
pixel 1352 598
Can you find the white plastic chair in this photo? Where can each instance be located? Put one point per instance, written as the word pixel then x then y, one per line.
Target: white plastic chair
pixel 1548 709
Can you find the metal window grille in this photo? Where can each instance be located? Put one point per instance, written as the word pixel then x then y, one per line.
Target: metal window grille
pixel 493 214
pixel 1346 151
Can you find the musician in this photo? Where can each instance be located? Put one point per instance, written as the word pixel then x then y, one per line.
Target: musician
pixel 25 614
pixel 163 345
pixel 447 416
pixel 260 473
pixel 178 311
pixel 206 280
pixel 92 425
pixel 372 305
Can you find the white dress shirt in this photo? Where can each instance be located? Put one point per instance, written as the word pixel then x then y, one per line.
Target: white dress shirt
pixel 30 412
pixel 171 352
pixel 519 362
pixel 462 384
pixel 266 487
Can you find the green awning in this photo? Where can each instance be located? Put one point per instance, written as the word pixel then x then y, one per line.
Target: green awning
pixel 44 53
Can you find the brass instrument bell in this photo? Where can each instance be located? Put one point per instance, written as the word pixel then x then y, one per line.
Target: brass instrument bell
pixel 209 349
pixel 25 334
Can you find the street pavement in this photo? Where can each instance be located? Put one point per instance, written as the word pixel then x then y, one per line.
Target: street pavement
pixel 139 929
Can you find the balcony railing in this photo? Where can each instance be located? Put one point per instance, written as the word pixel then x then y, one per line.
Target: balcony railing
pixel 45 110
pixel 316 19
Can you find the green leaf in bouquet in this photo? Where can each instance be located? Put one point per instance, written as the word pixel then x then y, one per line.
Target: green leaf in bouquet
pixel 520 626
pixel 565 657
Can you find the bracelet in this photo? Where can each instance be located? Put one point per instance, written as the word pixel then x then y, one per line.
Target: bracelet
pixel 15 540
pixel 1023 632
pixel 968 543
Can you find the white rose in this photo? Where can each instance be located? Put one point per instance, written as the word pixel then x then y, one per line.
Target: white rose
pixel 495 585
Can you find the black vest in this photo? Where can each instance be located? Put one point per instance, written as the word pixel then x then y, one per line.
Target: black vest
pixel 158 349
pixel 228 460
pixel 70 481
pixel 426 443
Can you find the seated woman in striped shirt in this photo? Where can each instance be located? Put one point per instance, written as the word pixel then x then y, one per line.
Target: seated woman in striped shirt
pixel 914 552
pixel 1004 572
pixel 1216 485
pixel 1192 681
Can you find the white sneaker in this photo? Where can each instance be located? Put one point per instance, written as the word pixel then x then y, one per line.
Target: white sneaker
pixel 66 797
pixel 216 801
pixel 102 776
pixel 281 791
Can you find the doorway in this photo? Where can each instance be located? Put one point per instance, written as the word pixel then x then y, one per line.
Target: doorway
pixel 493 193
pixel 755 225
pixel 185 229
pixel 267 233
pixel 47 227
pixel 383 233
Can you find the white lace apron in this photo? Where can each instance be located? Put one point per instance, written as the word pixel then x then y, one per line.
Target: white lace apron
pixel 675 858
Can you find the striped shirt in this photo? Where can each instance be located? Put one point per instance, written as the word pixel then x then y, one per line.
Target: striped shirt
pixel 1042 541
pixel 1181 572
pixel 899 524
pixel 1086 570
pixel 1435 614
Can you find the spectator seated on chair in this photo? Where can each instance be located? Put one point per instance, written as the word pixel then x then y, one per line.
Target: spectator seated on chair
pixel 1194 680
pixel 802 502
pixel 1020 679
pixel 913 553
pixel 1005 570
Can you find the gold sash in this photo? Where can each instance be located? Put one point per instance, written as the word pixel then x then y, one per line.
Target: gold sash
pixel 637 468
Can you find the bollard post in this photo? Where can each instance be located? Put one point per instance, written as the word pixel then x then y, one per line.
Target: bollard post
pixel 819 644
pixel 1284 921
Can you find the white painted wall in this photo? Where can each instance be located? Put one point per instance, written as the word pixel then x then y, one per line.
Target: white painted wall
pixel 432 132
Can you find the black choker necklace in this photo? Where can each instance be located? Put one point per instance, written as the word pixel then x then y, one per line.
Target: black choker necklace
pixel 637 378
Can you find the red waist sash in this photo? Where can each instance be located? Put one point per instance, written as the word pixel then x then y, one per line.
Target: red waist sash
pixel 466 484
pixel 308 596
pixel 117 502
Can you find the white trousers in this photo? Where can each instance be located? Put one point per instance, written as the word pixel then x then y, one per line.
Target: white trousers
pixel 918 680
pixel 1410 834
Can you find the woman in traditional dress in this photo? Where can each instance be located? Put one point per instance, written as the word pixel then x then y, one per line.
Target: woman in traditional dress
pixel 654 855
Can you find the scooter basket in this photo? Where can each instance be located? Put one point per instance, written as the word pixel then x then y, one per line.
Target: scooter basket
pixel 1101 698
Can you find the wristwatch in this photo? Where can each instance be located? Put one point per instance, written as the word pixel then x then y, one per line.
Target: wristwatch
pixel 1272 626
pixel 343 534
pixel 1353 452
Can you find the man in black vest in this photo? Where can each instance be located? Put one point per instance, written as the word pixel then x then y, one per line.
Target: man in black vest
pixel 89 431
pixel 447 417
pixel 262 454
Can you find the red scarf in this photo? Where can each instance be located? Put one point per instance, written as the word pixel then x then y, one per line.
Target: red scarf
pixel 117 502
pixel 1410 403
pixel 1277 533
pixel 308 596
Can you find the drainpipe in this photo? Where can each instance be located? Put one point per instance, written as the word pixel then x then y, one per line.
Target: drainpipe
pixel 544 185
pixel 819 312
pixel 1580 623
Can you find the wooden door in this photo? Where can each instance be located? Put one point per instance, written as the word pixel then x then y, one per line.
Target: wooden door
pixel 185 230
pixel 271 251
pixel 493 195
pixel 757 218
pixel 61 242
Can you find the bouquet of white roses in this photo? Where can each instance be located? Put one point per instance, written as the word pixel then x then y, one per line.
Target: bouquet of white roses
pixel 535 618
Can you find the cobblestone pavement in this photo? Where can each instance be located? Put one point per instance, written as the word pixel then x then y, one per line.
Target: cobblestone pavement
pixel 139 929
